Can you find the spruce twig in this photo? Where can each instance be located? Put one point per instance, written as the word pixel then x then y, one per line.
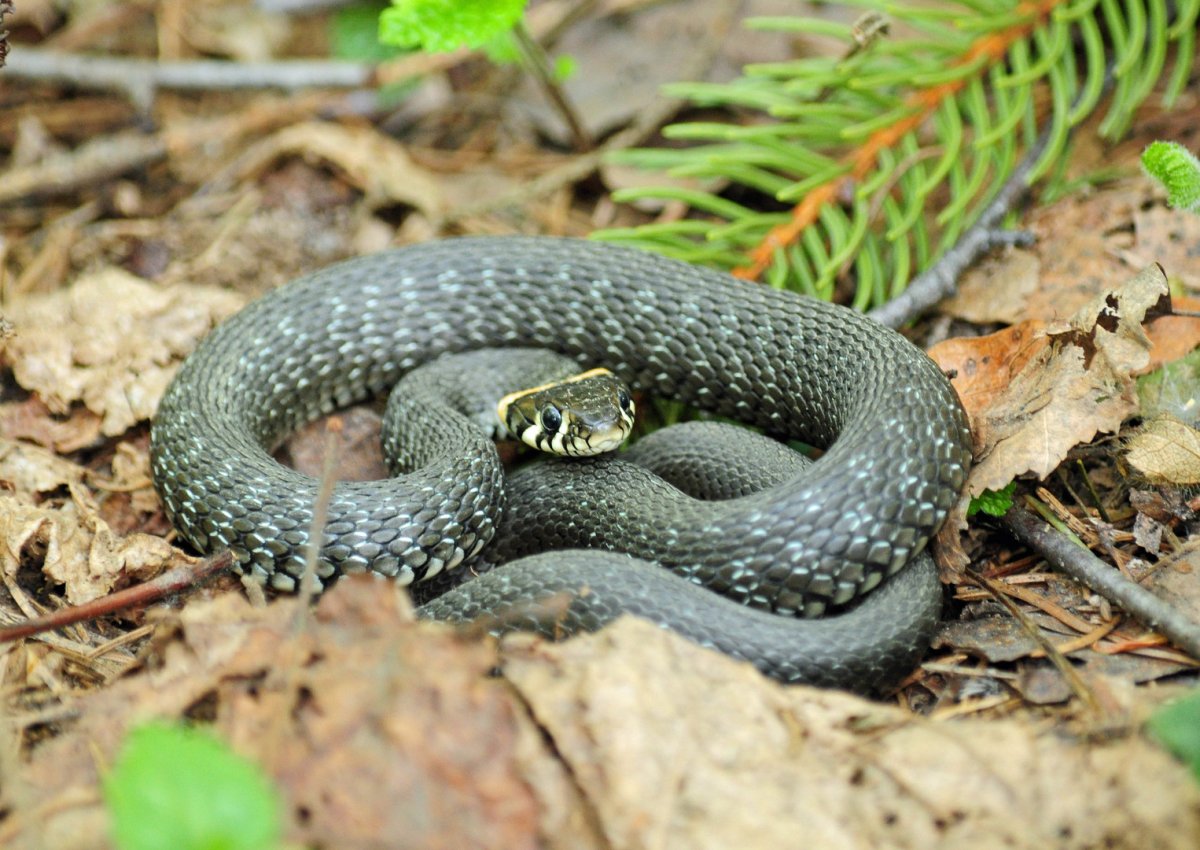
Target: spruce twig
pixel 886 155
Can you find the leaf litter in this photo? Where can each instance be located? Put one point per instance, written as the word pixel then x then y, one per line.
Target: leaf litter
pixel 377 726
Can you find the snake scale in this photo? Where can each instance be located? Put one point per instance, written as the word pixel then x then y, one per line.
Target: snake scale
pixel 850 527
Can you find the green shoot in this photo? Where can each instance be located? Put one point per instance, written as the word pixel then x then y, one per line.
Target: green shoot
pixel 178 788
pixel 993 502
pixel 1177 169
pixel 439 26
pixel 1177 727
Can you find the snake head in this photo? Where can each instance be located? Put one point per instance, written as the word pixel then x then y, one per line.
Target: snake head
pixel 586 414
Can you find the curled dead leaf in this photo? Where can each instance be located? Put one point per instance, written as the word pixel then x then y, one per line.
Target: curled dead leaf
pixel 28 470
pixel 111 341
pixel 1035 391
pixel 65 537
pixel 74 547
pixel 377 165
pixel 1166 451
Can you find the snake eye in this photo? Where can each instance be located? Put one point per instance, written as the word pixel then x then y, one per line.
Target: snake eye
pixel 624 400
pixel 550 418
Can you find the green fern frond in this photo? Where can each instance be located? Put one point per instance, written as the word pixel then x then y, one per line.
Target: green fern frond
pixel 862 147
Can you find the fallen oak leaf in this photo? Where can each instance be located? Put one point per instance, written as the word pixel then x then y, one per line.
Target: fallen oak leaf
pixel 1059 384
pixel 1035 391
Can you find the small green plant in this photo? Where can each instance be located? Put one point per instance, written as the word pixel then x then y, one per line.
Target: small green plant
pixel 175 787
pixel 1177 169
pixel 354 35
pixel 497 27
pixel 993 502
pixel 1177 727
pixel 439 26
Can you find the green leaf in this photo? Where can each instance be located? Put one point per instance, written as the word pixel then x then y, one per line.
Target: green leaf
pixel 993 502
pixel 1177 727
pixel 179 788
pixel 440 26
pixel 564 67
pixel 354 35
pixel 1176 168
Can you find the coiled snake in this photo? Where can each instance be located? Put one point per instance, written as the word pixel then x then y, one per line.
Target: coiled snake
pixel 854 523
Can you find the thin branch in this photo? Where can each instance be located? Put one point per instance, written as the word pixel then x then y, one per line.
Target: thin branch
pixel 107 157
pixel 172 581
pixel 535 59
pixel 140 79
pixel 1074 681
pixel 92 162
pixel 941 279
pixel 581 166
pixel 1081 565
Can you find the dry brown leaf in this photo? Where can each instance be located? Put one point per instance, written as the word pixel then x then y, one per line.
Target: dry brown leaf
pixel 1083 243
pixel 28 470
pixel 1037 390
pixel 66 538
pixel 984 367
pixel 112 341
pixel 997 289
pixel 1055 389
pixel 1174 336
pixel 378 731
pixel 1166 451
pixel 378 165
pixel 1170 238
pixel 632 738
pixel 676 747
pixel 30 419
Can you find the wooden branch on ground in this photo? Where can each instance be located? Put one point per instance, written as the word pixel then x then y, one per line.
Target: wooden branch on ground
pixel 1081 565
pixel 140 79
pixel 940 280
pixel 172 581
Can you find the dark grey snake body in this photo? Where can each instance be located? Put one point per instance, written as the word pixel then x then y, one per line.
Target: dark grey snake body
pixel 897 438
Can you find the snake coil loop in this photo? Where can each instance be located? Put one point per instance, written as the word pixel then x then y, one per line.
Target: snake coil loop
pixel 896 439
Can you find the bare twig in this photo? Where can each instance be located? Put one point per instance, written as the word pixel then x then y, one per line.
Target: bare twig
pixel 140 79
pixel 581 166
pixel 941 279
pixel 1081 565
pixel 172 581
pixel 535 59
pixel 92 162
pixel 107 157
pixel 1074 681
pixel 320 515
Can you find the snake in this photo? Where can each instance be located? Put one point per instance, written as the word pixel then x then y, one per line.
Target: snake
pixel 821 575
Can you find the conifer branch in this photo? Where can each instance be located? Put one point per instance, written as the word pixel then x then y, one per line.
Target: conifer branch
pixel 886 154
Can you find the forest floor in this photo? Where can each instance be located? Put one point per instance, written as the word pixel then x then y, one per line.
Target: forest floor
pixel 134 216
